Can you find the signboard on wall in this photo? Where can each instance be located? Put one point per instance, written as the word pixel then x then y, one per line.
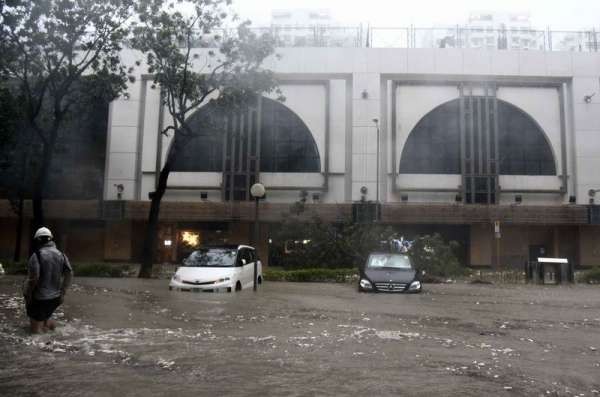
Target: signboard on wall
pixel 497 229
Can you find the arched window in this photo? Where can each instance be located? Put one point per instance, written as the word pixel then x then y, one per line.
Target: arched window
pixel 524 149
pixel 433 146
pixel 286 143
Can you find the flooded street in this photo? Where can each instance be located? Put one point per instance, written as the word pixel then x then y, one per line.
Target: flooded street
pixel 133 337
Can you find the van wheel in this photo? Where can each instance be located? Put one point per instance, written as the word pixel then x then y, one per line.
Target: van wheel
pixel 238 286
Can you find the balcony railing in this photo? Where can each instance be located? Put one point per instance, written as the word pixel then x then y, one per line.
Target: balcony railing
pixel 414 37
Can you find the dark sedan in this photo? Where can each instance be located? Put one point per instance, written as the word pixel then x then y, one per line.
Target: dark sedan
pixel 389 272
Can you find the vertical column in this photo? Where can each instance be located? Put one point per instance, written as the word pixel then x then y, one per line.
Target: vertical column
pixel 122 165
pixel 366 96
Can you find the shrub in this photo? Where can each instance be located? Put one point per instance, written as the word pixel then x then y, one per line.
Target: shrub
pixel 100 270
pixel 311 275
pixel 80 269
pixel 591 276
pixel 438 258
pixel 15 268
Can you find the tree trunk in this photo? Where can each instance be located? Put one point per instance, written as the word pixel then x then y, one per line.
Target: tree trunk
pixel 18 238
pixel 149 252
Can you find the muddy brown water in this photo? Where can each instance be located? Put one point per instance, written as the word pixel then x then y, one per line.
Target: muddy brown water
pixel 131 337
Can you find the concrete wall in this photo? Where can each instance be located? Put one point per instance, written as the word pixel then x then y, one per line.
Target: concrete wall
pixel 117 241
pixel 589 245
pixel 359 80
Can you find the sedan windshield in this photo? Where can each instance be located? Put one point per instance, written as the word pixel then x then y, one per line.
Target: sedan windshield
pixel 211 258
pixel 395 261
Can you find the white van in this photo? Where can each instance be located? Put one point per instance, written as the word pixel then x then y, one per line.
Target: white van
pixel 219 268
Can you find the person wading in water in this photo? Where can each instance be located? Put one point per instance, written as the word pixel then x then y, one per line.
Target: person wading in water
pixel 49 275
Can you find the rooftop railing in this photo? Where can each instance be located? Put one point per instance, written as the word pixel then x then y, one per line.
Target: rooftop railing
pixel 483 38
pixel 414 37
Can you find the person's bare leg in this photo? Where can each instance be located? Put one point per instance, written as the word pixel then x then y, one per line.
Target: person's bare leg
pixel 50 324
pixel 36 326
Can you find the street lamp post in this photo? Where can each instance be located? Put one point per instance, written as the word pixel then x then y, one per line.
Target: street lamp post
pixel 257 191
pixel 376 121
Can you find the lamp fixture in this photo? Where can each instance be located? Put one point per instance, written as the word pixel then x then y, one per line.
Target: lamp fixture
pixel 120 189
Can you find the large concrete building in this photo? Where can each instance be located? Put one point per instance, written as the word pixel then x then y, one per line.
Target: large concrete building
pixel 470 140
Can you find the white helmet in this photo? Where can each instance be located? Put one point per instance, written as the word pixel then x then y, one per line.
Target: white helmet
pixel 43 232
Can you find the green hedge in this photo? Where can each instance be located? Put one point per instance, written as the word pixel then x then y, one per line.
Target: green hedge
pixel 101 270
pixel 311 275
pixel 591 276
pixel 15 268
pixel 80 269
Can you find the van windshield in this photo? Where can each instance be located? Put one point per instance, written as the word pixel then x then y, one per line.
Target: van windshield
pixel 395 261
pixel 214 257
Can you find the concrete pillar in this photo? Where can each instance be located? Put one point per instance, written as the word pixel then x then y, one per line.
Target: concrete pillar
pixel 366 96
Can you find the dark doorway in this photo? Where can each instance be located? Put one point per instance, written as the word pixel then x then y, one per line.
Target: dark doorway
pixel 537 251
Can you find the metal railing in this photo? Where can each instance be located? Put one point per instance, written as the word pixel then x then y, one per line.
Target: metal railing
pixel 414 37
pixel 482 38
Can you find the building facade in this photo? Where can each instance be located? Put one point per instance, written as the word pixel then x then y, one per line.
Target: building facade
pixel 497 149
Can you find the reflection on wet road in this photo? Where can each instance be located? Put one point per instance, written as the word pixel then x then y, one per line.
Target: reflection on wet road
pixel 134 337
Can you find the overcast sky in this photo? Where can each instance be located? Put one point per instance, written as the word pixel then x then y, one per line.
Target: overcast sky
pixel 559 14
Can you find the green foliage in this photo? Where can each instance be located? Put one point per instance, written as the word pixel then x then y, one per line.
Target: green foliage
pixel 100 270
pixel 438 258
pixel 56 53
pixel 9 120
pixel 311 275
pixel 195 60
pixel 15 268
pixel 330 245
pixel 591 276
pixel 303 241
pixel 80 269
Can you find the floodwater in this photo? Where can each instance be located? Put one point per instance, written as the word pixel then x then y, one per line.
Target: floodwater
pixel 131 337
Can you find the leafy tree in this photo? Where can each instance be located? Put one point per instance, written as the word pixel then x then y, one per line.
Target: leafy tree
pixel 15 151
pixel 194 63
pixel 53 52
pixel 438 258
pixel 312 243
pixel 324 244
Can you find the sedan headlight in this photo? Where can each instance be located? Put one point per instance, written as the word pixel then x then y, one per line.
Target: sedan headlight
pixel 365 284
pixel 176 278
pixel 415 286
